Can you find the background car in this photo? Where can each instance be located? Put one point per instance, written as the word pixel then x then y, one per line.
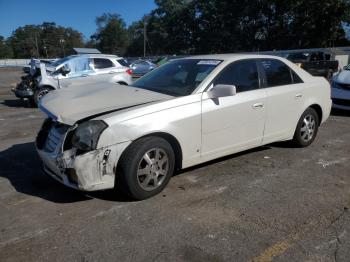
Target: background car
pixel 79 70
pixel 316 63
pixel 183 113
pixel 141 67
pixel 341 89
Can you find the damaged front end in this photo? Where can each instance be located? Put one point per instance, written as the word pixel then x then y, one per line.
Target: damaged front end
pixel 70 154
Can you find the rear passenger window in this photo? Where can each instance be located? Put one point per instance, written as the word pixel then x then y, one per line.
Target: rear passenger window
pixel 123 62
pixel 296 78
pixel 243 74
pixel 277 73
pixel 101 63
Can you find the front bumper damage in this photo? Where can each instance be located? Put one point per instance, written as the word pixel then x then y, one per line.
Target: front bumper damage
pixel 22 91
pixel 90 171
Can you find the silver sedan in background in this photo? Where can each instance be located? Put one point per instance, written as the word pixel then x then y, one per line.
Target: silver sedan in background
pixel 141 67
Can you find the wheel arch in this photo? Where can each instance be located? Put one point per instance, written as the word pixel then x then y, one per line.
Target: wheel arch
pixel 175 144
pixel 47 86
pixel 318 110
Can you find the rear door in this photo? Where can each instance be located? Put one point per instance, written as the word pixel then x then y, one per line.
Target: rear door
pixel 285 93
pixel 105 69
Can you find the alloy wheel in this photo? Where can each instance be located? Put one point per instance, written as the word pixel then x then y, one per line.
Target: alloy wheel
pixel 42 93
pixel 308 127
pixel 152 169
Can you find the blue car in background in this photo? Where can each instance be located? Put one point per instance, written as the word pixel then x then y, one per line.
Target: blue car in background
pixel 141 67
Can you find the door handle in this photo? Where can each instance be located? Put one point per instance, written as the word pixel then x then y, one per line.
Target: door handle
pixel 258 105
pixel 112 72
pixel 298 96
pixel 84 75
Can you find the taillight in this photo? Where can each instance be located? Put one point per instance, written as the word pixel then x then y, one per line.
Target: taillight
pixel 129 71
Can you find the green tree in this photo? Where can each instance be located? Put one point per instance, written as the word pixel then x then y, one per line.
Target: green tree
pixel 5 48
pixel 45 40
pixel 173 25
pixel 216 26
pixel 169 29
pixel 24 41
pixel 227 26
pixel 58 41
pixel 111 36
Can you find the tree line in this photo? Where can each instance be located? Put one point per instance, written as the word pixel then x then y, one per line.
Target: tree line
pixel 196 27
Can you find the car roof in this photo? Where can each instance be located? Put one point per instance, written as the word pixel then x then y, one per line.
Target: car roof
pixel 97 56
pixel 229 57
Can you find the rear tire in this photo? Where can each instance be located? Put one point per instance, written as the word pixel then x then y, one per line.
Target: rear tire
pixel 306 130
pixel 31 102
pixel 146 167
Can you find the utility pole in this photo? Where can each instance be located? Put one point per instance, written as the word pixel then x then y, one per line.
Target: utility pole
pixel 62 44
pixel 36 44
pixel 144 38
pixel 45 48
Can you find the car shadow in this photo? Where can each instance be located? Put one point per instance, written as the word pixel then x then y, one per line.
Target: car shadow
pixel 222 159
pixel 339 112
pixel 22 167
pixel 16 103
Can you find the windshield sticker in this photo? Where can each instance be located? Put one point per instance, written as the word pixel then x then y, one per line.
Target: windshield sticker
pixel 209 62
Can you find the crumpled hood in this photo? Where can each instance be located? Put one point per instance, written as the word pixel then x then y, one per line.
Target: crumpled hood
pixel 72 104
pixel 343 77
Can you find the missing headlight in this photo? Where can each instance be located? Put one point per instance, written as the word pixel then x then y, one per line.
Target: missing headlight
pixel 87 134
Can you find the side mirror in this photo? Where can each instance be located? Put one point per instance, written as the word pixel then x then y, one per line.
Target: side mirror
pixel 222 91
pixel 65 70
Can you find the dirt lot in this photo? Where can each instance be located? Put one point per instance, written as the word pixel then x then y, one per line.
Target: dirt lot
pixel 272 203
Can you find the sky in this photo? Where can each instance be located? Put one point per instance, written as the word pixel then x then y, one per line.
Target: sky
pixel 77 14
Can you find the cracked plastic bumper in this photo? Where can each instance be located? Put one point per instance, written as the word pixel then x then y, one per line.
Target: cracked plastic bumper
pixel 92 171
pixel 22 93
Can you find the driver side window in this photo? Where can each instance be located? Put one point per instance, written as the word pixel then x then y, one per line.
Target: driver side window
pixel 243 74
pixel 79 66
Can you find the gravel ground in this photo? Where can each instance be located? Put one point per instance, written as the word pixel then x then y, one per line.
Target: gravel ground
pixel 272 203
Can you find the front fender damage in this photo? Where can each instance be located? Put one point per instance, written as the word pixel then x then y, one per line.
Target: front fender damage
pixel 93 170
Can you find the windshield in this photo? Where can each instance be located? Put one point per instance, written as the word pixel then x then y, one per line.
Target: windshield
pixel 179 77
pixel 60 61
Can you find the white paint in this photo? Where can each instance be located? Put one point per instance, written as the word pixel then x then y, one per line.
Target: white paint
pixel 192 179
pixel 332 241
pixel 326 163
pixel 221 189
pixel 229 126
pixel 26 236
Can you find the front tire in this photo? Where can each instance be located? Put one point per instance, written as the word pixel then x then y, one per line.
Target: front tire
pixel 40 93
pixel 146 167
pixel 306 130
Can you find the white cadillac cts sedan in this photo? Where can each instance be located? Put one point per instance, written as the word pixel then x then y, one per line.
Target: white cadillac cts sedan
pixel 184 113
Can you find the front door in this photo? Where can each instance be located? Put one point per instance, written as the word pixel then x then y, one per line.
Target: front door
pixel 81 73
pixel 234 123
